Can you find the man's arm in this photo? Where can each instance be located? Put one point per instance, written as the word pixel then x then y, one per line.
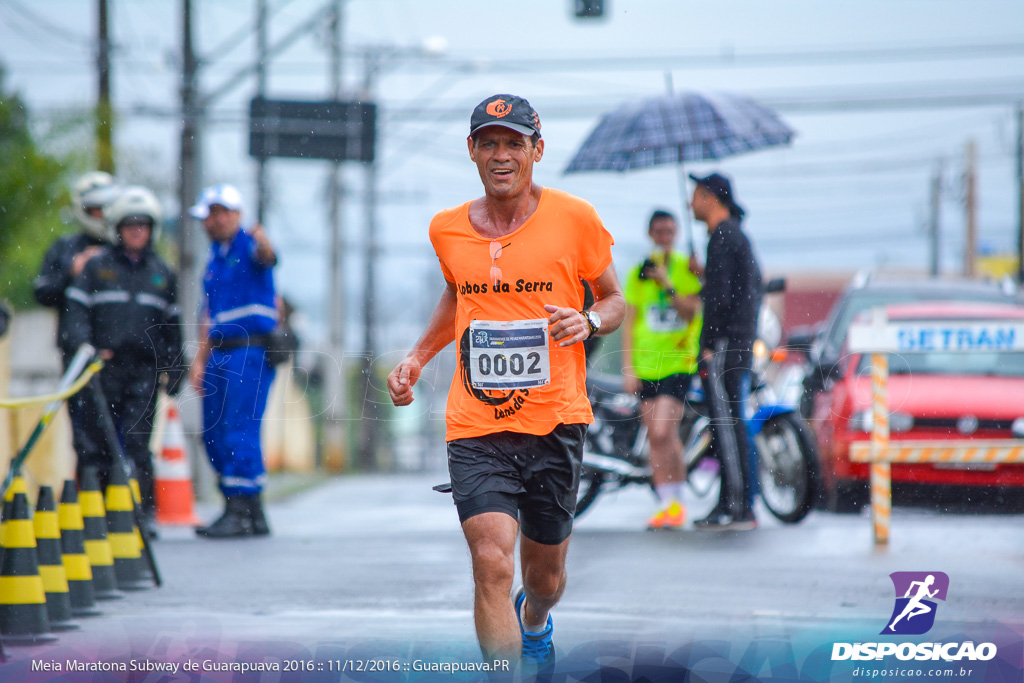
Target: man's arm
pixel 631 383
pixel 568 326
pixel 439 333
pixel 264 252
pixel 54 276
pixel 78 303
pixel 721 267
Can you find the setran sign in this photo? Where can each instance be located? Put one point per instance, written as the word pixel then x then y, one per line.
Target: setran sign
pixel 963 336
pixel 332 130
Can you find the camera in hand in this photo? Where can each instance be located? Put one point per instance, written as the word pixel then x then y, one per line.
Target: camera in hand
pixel 647 269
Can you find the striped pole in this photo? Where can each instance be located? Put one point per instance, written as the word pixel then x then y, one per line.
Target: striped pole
pixel 881 474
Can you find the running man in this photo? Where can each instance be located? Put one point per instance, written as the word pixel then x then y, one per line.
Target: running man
pixel 915 606
pixel 517 409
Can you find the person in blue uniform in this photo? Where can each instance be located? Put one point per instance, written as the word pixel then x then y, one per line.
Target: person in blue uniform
pixel 230 370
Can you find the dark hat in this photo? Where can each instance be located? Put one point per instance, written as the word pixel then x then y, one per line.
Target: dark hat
pixel 719 186
pixel 505 110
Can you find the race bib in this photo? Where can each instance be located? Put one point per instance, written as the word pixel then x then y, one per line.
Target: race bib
pixel 664 319
pixel 509 354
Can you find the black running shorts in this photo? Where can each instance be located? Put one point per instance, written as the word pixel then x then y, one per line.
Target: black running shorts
pixel 531 478
pixel 675 386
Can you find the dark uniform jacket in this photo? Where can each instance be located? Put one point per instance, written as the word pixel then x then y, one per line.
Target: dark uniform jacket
pixel 732 288
pixel 127 307
pixel 55 277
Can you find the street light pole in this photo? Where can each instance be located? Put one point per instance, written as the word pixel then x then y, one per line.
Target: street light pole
pixel 369 431
pixel 333 453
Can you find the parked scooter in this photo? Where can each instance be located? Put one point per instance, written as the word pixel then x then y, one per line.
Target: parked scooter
pixel 616 450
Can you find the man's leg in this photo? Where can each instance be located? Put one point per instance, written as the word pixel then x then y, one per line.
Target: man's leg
pixel 544 579
pixel 661 417
pixel 492 541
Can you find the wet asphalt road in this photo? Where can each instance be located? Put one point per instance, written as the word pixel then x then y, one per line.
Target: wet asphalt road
pixel 378 563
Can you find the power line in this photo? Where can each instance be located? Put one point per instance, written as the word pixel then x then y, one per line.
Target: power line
pixel 47 27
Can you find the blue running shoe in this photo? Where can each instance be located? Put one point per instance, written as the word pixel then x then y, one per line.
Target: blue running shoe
pixel 537 647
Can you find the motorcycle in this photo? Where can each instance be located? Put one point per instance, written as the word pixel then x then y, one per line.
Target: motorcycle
pixel 615 454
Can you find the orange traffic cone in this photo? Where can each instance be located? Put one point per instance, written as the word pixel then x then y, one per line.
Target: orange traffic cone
pixel 175 499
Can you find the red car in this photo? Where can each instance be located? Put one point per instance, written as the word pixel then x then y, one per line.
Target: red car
pixel 934 395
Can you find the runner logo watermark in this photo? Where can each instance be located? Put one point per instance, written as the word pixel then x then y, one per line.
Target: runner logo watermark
pixel 916 593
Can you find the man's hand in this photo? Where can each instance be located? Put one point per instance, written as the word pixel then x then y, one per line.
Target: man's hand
pixel 264 250
pixel 83 257
pixel 568 326
pixel 695 267
pixel 402 379
pixel 196 373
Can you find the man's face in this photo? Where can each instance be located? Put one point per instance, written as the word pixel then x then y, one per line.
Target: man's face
pixel 663 232
pixel 702 203
pixel 222 223
pixel 505 160
pixel 135 235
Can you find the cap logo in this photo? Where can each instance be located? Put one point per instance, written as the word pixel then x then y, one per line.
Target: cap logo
pixel 499 109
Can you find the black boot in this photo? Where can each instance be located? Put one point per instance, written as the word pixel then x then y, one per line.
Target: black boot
pixel 256 516
pixel 234 523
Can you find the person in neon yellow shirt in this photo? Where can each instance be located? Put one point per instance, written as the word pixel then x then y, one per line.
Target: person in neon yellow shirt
pixel 661 342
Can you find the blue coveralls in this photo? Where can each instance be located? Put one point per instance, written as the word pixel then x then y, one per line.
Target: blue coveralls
pixel 240 303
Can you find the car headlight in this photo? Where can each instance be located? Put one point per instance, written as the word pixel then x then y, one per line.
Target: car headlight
pixel 898 422
pixel 1018 428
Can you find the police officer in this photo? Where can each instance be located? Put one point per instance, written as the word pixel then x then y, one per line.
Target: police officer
pixel 65 260
pixel 124 304
pixel 230 370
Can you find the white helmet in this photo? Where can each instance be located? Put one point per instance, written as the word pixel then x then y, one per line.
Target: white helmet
pixel 134 200
pixel 95 189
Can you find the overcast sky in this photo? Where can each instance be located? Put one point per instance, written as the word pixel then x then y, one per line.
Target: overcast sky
pixel 851 192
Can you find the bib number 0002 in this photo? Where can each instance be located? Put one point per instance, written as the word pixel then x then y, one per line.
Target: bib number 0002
pixel 509 354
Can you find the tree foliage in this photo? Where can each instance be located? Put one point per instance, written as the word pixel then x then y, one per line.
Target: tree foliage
pixel 32 190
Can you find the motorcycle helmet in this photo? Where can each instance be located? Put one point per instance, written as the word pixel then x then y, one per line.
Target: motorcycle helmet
pixel 131 202
pixel 95 189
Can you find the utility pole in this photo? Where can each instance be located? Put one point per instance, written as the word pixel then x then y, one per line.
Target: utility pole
pixel 970 208
pixel 934 222
pixel 261 91
pixel 1020 193
pixel 333 453
pixel 104 112
pixel 369 425
pixel 188 179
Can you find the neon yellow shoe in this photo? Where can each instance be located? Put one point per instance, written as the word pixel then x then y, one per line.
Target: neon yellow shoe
pixel 672 518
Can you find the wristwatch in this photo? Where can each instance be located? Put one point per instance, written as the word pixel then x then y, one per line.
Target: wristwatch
pixel 593 320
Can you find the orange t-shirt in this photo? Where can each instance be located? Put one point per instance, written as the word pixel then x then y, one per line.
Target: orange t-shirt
pixel 507 378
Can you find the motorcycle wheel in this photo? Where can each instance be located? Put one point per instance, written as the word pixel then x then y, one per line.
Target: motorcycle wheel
pixel 590 489
pixel 786 467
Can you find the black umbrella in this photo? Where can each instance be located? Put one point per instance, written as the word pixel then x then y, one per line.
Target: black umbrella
pixel 676 128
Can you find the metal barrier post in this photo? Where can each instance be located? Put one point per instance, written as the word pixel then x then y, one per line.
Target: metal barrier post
pixel 881 472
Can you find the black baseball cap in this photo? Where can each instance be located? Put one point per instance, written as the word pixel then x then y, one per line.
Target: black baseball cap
pixel 509 111
pixel 720 186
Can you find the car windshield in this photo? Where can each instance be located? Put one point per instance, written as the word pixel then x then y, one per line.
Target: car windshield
pixel 867 299
pixel 982 364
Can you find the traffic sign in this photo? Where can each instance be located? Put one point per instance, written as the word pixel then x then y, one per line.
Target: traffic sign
pixel 333 130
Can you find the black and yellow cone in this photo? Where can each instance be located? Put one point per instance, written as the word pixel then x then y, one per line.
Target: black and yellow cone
pixel 22 598
pixel 51 564
pixel 76 562
pixel 97 545
pixel 121 530
pixel 17 486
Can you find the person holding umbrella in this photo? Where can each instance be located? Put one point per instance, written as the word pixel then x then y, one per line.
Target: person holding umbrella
pixel 732 298
pixel 660 345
